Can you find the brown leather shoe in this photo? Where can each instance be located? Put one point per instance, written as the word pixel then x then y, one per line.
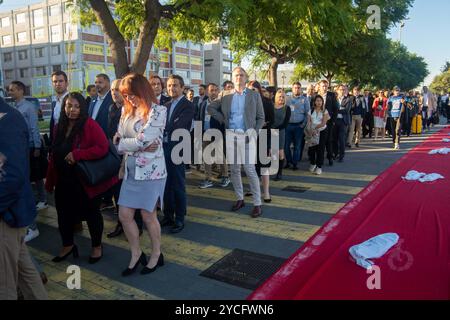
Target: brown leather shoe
pixel 256 212
pixel 238 205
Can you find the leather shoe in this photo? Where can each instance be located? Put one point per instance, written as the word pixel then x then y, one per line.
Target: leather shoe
pixel 330 162
pixel 238 205
pixel 165 222
pixel 177 228
pixel 117 231
pixel 256 212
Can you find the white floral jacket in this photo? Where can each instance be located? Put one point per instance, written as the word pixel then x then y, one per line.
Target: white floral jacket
pixel 149 165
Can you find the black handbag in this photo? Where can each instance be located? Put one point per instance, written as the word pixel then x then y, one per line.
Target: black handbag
pixel 93 172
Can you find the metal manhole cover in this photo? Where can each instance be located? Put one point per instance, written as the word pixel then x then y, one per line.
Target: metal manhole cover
pixel 295 189
pixel 244 269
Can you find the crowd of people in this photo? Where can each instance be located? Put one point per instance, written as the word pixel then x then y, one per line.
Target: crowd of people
pixel 135 119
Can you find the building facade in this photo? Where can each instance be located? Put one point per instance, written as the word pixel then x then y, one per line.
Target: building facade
pixel 41 38
pixel 218 62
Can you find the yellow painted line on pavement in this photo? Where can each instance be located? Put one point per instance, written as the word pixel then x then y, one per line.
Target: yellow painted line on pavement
pixel 329 188
pixel 94 286
pixel 177 250
pixel 277 201
pixel 331 175
pixel 263 226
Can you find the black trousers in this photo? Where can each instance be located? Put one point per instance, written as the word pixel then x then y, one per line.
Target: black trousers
pixel 448 113
pixel 329 140
pixel 73 205
pixel 368 124
pixel 175 190
pixel 317 153
pixel 406 125
pixel 340 138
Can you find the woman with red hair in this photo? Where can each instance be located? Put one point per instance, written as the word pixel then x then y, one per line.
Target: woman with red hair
pixel 141 126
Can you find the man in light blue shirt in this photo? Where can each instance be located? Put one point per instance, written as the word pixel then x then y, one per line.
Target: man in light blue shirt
pixel 28 111
pixel 237 111
pixel 300 107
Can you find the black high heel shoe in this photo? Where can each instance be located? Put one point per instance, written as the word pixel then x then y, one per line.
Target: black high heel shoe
pixel 93 260
pixel 160 263
pixel 129 271
pixel 73 251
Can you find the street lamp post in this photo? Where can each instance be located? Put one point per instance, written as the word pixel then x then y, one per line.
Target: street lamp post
pixel 283 76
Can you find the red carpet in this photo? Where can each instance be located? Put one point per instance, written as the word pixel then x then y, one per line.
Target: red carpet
pixel 418 267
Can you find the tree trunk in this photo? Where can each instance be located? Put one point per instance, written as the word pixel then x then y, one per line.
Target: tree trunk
pixel 115 38
pixel 273 80
pixel 329 77
pixel 147 35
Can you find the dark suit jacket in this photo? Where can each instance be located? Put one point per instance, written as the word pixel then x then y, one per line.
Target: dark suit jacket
pixel 17 206
pixel 214 124
pixel 103 112
pixel 115 112
pixel 181 118
pixel 345 108
pixel 197 105
pixel 52 123
pixel 163 100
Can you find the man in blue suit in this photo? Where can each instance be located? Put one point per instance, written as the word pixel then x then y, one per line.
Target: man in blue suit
pixel 99 107
pixel 17 209
pixel 180 113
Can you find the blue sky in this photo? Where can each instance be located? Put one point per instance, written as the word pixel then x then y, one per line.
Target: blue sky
pixel 426 33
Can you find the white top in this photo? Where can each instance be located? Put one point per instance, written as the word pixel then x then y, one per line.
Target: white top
pixel 316 119
pixel 57 110
pixel 425 100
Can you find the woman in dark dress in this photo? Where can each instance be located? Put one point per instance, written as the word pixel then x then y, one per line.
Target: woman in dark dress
pixel 263 169
pixel 282 116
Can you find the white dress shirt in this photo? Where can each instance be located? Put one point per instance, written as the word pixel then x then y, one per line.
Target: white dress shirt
pixel 58 105
pixel 97 105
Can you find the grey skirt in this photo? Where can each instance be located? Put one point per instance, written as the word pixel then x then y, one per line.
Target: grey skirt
pixel 140 194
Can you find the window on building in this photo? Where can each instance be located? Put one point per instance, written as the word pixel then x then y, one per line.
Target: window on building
pixel 41 71
pixel 7 57
pixel 56 50
pixel 6 40
pixel 38 17
pixel 22 36
pixel 196 75
pixel 183 74
pixel 226 53
pixel 39 34
pixel 182 45
pixel 55 10
pixel 39 52
pixel 196 46
pixel 23 73
pixel 23 54
pixel 56 67
pixel 55 33
pixel 227 76
pixel 6 22
pixel 9 74
pixel 227 66
pixel 21 18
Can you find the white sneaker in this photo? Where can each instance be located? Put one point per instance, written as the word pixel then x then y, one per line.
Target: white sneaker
pixel 396 146
pixel 318 171
pixel 31 234
pixel 312 168
pixel 41 205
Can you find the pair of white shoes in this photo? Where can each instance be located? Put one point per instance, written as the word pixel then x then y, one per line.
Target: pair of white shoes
pixel 315 169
